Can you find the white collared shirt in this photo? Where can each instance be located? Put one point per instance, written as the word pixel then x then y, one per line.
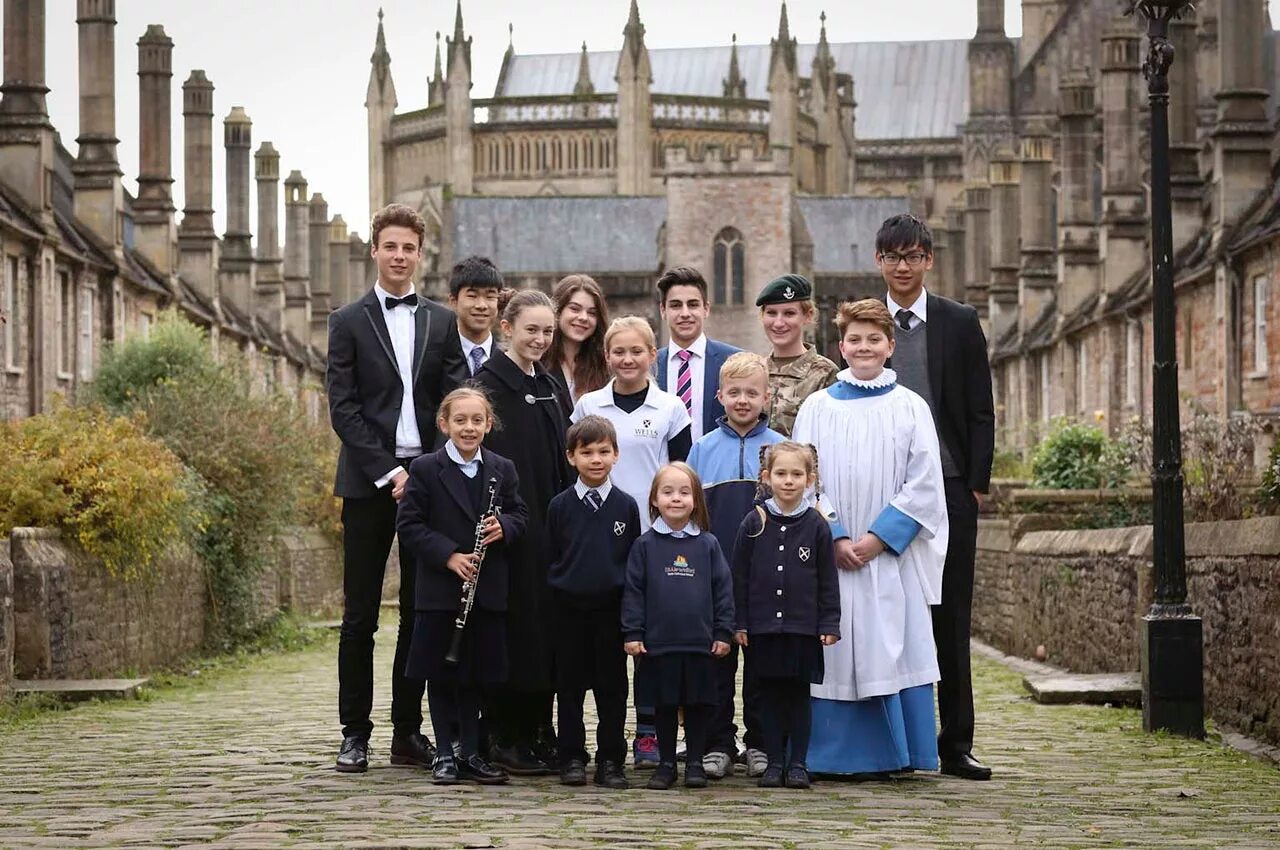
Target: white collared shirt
pixel 697 375
pixel 690 529
pixel 580 487
pixel 468 345
pixel 772 505
pixel 917 309
pixel 401 327
pixel 642 437
pixel 470 468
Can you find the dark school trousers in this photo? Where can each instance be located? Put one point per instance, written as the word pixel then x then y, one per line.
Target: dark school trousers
pixel 589 656
pixel 952 621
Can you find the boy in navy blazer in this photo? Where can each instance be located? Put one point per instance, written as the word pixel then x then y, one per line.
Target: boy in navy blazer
pixel 689 368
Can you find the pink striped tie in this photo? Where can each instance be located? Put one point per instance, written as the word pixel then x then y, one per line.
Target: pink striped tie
pixel 684 381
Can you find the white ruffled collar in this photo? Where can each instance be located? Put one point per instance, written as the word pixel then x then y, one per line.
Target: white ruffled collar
pixel 886 378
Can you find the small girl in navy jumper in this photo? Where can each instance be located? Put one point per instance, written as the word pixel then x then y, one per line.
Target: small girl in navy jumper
pixel 677 615
pixel 787 602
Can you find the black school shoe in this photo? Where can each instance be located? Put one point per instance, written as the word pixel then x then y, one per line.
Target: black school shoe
pixel 664 777
pixel 416 750
pixel 519 760
pixel 797 776
pixel 573 772
pixel 771 778
pixel 695 776
pixel 476 769
pixel 609 774
pixel 445 771
pixel 353 757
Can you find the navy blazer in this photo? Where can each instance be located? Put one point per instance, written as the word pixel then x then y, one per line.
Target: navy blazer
pixel 436 519
pixel 717 353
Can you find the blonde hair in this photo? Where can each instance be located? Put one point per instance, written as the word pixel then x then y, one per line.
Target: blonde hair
pixel 768 456
pixel 630 323
pixel 701 516
pixel 744 364
pixel 871 310
pixel 808 306
pixel 468 391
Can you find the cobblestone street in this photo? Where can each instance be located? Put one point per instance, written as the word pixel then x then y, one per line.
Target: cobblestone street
pixel 247 761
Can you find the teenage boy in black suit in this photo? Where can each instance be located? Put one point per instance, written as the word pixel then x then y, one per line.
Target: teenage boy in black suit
pixel 392 357
pixel 941 354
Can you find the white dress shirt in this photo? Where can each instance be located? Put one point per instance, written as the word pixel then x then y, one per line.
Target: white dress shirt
pixel 917 309
pixel 580 487
pixel 468 345
pixel 697 370
pixel 469 467
pixel 401 327
pixel 690 529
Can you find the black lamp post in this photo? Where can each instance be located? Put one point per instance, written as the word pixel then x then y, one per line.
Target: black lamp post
pixel 1172 646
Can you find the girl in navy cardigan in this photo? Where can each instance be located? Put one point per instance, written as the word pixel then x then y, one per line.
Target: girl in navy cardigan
pixel 677 615
pixel 787 602
pixel 447 494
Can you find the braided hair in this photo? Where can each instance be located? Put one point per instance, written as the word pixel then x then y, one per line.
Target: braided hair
pixel 768 454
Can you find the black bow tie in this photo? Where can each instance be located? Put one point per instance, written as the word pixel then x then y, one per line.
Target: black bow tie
pixel 410 300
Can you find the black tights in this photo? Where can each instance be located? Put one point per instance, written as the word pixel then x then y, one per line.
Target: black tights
pixel 455 709
pixel 697 718
pixel 786 717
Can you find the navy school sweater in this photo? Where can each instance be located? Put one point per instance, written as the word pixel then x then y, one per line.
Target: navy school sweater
pixel 784 579
pixel 589 548
pixel 678 595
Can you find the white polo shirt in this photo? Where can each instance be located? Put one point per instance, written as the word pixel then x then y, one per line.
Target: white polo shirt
pixel 642 437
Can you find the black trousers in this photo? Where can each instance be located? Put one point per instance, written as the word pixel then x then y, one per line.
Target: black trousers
pixel 723 730
pixel 368 528
pixel 952 620
pixel 589 656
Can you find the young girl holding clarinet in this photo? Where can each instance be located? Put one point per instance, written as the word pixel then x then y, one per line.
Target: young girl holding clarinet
pixel 460 513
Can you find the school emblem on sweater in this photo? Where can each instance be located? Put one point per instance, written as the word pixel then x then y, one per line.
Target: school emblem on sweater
pixel 804 553
pixel 619 529
pixel 680 568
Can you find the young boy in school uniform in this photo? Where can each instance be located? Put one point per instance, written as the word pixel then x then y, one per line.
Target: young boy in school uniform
pixel 728 462
pixel 591 527
pixel 474 286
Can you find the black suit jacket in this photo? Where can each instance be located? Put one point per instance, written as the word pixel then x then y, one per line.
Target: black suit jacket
pixel 365 392
pixel 436 519
pixel 960 379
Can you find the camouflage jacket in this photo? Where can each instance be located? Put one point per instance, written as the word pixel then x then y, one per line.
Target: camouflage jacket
pixel 790 383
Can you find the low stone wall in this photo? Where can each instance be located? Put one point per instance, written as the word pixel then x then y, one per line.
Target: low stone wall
pixel 1081 594
pixel 6 618
pixel 308 573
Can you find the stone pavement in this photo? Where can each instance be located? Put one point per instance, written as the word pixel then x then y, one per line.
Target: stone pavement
pixel 247 761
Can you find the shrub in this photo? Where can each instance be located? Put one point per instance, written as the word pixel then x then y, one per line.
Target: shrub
pixel 1217 457
pixel 1269 492
pixel 1008 463
pixel 97 477
pixel 1077 456
pixel 174 350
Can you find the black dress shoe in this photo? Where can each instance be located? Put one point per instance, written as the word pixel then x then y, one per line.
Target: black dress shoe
pixel 797 776
pixel 609 774
pixel 519 760
pixel 772 777
pixel 573 773
pixel 545 748
pixel 965 766
pixel 415 749
pixel 476 769
pixel 445 771
pixel 664 776
pixel 695 775
pixel 354 755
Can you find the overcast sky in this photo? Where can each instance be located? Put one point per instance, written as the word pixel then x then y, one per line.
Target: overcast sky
pixel 300 68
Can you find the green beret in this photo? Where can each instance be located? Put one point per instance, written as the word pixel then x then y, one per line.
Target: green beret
pixel 785 289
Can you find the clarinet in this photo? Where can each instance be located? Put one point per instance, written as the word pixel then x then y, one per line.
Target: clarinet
pixel 469 587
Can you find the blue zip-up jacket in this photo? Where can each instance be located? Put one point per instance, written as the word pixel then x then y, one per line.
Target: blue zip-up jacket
pixel 729 466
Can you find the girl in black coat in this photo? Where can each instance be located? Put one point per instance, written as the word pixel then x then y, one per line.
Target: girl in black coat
pixel 528 404
pixel 448 494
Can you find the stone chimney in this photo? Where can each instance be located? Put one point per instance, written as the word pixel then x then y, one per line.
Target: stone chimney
pixel 155 234
pixel 269 279
pixel 26 136
pixel 1123 244
pixel 318 262
pixel 297 262
pixel 635 112
pixel 1077 223
pixel 197 241
pixel 457 109
pixel 1037 272
pixel 1006 175
pixel 339 261
pixel 1186 187
pixel 236 269
pixel 1242 135
pixel 99 194
pixel 359 268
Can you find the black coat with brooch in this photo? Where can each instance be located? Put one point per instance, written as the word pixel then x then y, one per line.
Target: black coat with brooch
pixel 532 436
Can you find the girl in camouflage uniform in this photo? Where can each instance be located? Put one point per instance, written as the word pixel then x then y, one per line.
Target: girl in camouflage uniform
pixel 796 369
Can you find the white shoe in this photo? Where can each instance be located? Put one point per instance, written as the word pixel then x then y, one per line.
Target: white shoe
pixel 757 762
pixel 717 765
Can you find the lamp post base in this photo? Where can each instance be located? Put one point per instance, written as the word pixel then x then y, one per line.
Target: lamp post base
pixel 1173 675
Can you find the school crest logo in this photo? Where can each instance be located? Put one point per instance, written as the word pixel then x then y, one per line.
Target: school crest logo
pixel 646 429
pixel 619 529
pixel 804 553
pixel 647 423
pixel 680 568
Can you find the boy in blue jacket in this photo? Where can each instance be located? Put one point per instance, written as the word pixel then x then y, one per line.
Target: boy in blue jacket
pixel 728 462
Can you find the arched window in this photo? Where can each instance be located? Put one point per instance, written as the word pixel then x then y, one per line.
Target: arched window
pixel 729 263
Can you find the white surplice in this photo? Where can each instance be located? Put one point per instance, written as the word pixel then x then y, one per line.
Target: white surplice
pixel 876 450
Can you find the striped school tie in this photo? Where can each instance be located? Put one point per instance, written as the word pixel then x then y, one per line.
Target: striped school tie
pixel 684 381
pixel 593 499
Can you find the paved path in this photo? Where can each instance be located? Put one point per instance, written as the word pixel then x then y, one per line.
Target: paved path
pixel 247 762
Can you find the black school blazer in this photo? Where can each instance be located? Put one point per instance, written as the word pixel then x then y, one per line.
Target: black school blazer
pixel 435 519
